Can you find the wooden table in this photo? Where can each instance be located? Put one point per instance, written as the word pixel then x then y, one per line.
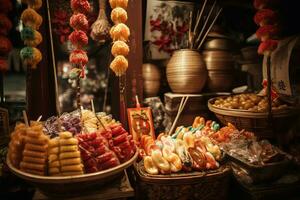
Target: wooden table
pixel 119 189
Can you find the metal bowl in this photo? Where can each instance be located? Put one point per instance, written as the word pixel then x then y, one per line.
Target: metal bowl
pixel 72 185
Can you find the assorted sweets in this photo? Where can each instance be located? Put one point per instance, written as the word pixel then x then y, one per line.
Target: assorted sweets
pixel 251 102
pixel 73 144
pixel 189 148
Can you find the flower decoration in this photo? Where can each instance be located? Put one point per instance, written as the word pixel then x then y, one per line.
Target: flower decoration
pixel 80 6
pixel 5 24
pixel 31 56
pixel 79 39
pixel 266 32
pixel 79 22
pixel 31 37
pixel 267 47
pixel 119 65
pixel 32 21
pixel 265 17
pixel 5 46
pixel 31 18
pixel 120 34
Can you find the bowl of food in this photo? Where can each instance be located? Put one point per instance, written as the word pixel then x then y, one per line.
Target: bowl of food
pixel 249 112
pixel 65 163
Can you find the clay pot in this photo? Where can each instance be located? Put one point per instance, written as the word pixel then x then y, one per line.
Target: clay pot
pixel 186 72
pixel 220 81
pixel 151 76
pixel 218 60
pixel 219 44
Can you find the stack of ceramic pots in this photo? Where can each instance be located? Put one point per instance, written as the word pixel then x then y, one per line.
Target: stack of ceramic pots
pixel 219 63
pixel 252 64
pixel 151 77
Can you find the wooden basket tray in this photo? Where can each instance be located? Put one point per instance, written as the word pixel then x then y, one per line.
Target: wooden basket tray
pixel 255 121
pixel 71 185
pixel 192 185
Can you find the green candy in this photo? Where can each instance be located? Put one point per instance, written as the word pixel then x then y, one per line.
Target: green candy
pixel 26 53
pixel 27 34
pixel 215 126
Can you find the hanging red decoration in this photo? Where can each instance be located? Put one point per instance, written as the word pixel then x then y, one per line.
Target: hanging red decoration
pixel 80 6
pixel 266 17
pixel 79 22
pixel 267 32
pixel 79 39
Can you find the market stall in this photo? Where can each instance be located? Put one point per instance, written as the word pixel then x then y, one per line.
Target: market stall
pixel 129 99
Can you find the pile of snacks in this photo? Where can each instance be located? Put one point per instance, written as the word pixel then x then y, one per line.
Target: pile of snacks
pixel 189 148
pixel 250 102
pixel 62 147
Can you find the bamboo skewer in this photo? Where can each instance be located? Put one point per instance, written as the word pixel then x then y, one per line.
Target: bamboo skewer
pixel 199 16
pixel 25 118
pixel 99 120
pixel 205 23
pixel 180 109
pixel 190 30
pixel 209 28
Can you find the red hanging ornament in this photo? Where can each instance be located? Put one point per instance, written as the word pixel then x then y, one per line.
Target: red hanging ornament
pixel 79 39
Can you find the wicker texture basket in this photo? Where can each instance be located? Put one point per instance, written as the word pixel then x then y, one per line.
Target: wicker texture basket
pixel 210 185
pixel 255 121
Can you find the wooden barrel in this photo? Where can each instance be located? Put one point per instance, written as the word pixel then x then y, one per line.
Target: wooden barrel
pixel 151 77
pixel 186 71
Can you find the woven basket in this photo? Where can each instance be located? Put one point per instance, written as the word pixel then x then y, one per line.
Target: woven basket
pixel 211 185
pixel 255 121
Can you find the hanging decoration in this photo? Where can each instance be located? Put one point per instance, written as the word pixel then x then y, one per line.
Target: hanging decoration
pixel 267 18
pixel 100 28
pixel 5 27
pixel 79 39
pixel 30 55
pixel 119 34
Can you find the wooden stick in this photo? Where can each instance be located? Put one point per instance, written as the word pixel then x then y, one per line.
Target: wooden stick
pixel 40 117
pixel 92 104
pixel 190 30
pixel 269 90
pixel 180 109
pixel 25 118
pixel 199 16
pixel 205 23
pixel 99 120
pixel 209 28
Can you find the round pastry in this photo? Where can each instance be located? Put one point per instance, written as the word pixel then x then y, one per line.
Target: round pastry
pixel 266 47
pixel 31 18
pixel 118 15
pixel 34 4
pixel 78 38
pixel 78 57
pixel 31 37
pixel 118 3
pixel 5 6
pixel 79 22
pixel 5 24
pixel 119 48
pixel 31 56
pixel 80 6
pixel 265 17
pixel 120 32
pixel 266 32
pixel 5 46
pixel 119 65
